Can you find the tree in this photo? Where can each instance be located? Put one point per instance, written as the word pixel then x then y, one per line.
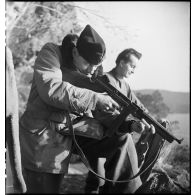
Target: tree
pixel 154 103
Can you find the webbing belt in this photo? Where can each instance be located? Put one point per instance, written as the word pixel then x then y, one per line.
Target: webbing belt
pixel 86 163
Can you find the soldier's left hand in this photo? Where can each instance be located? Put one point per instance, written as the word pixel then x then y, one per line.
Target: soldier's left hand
pixel 140 126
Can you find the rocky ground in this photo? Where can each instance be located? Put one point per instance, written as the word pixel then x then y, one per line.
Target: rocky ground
pixel 158 183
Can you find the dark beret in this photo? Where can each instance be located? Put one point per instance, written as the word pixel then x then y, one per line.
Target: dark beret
pixel 91 46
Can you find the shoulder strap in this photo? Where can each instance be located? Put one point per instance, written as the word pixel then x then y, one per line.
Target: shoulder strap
pixel 86 163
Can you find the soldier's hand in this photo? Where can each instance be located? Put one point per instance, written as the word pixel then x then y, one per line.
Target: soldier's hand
pixel 164 122
pixel 106 104
pixel 140 126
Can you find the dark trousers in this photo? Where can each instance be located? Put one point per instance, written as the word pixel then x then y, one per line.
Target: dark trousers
pixel 42 183
pixel 114 158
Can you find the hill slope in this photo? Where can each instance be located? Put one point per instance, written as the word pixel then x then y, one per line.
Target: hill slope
pixel 178 102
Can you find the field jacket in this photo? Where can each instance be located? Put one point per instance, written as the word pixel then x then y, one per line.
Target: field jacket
pixel 54 91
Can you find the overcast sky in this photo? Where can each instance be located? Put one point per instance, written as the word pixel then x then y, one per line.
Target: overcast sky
pixel 160 31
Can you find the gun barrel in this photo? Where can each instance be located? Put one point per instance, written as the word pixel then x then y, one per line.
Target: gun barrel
pixel 165 134
pixel 161 130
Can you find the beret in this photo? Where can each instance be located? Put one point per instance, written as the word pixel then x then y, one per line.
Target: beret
pixel 91 46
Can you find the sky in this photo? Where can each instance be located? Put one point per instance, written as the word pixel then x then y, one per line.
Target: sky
pixel 160 31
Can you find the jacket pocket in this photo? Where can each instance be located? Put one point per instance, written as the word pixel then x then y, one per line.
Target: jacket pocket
pixel 34 126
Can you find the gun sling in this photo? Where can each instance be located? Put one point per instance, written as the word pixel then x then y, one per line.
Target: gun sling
pixel 86 163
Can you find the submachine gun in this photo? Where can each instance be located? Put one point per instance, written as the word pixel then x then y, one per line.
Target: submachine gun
pixel 149 145
pixel 130 107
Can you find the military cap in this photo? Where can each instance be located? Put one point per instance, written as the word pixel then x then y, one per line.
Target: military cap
pixel 91 46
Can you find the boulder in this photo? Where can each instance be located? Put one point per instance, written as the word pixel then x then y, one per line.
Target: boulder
pixel 159 182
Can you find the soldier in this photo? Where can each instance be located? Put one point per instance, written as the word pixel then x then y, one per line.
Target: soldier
pixel 126 62
pixel 57 92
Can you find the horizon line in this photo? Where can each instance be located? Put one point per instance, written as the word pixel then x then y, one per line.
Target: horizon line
pixel 154 89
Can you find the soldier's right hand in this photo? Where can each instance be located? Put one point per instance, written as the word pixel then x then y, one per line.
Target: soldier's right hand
pixel 106 104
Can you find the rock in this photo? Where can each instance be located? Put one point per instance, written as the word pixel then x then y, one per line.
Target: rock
pixel 160 182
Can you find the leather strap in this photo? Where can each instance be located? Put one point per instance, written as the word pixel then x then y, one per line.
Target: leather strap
pixel 86 163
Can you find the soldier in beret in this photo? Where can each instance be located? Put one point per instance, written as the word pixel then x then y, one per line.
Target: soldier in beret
pixel 59 88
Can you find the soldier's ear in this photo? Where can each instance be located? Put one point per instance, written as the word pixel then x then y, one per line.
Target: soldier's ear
pixel 121 63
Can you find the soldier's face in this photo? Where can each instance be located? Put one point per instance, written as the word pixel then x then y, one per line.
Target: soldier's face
pixel 128 68
pixel 82 65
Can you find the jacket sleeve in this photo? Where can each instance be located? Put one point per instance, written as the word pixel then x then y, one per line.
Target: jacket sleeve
pixel 53 90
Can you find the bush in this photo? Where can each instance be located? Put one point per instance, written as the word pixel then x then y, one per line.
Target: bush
pixel 179 155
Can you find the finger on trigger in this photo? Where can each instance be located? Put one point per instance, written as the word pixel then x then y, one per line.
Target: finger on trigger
pixel 152 129
pixel 115 104
pixel 145 123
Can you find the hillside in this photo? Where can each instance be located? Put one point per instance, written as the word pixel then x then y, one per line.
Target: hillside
pixel 178 102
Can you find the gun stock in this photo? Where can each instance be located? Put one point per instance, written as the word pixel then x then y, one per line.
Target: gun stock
pixel 131 107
